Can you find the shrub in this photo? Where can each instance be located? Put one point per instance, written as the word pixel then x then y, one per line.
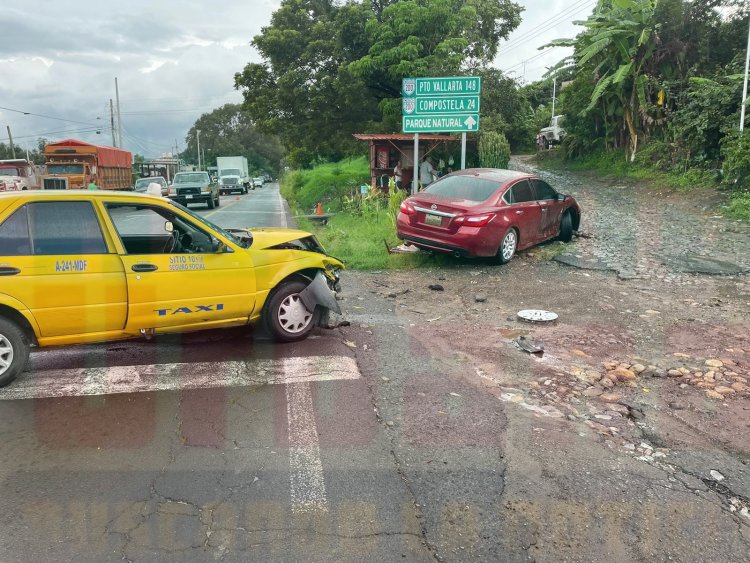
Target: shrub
pixel 327 183
pixel 494 150
pixel 735 148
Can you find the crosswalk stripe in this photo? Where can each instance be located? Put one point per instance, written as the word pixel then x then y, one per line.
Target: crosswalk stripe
pixel 178 376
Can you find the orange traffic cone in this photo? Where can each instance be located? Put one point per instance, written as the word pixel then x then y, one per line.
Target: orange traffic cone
pixel 319 209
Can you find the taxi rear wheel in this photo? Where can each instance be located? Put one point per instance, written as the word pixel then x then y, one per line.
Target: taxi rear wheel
pixel 14 351
pixel 286 317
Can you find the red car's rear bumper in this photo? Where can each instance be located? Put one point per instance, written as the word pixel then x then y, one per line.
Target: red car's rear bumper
pixel 467 241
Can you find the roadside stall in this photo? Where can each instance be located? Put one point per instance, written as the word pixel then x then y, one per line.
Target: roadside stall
pixel 387 150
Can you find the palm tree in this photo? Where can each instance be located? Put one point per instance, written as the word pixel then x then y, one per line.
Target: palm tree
pixel 616 49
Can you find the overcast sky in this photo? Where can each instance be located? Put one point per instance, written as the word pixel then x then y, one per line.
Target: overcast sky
pixel 174 61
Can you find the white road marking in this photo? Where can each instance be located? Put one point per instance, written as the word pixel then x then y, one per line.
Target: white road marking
pixel 306 483
pixel 178 376
pixel 282 213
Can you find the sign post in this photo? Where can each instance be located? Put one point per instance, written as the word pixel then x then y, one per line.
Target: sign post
pixel 440 105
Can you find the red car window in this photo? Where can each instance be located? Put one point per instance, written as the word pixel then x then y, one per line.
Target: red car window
pixel 521 192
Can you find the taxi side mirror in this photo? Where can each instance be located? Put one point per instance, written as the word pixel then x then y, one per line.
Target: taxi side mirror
pixel 219 247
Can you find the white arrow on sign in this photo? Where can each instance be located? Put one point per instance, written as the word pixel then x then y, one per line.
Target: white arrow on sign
pixel 470 122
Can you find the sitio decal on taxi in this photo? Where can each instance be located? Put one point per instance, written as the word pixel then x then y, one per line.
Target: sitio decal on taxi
pixel 181 263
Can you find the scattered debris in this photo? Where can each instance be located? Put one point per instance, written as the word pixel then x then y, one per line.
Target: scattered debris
pixel 433 320
pixel 716 476
pixel 529 346
pixel 402 249
pixel 436 287
pixel 537 316
pixel 480 298
pixel 350 343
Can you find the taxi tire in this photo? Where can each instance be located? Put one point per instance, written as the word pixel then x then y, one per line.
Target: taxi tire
pixel 271 313
pixel 19 342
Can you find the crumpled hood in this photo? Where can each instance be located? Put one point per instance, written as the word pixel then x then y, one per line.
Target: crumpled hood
pixel 268 237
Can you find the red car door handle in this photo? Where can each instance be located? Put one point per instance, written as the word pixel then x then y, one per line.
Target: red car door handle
pixel 519 212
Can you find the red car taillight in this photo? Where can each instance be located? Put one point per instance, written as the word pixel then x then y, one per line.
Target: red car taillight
pixel 474 220
pixel 407 209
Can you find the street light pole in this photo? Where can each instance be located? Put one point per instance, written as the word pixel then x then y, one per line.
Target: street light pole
pixel 554 94
pixel 198 140
pixel 744 88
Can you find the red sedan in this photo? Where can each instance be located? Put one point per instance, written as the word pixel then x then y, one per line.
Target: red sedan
pixel 487 212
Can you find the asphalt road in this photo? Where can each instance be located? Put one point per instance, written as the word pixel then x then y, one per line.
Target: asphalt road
pixel 213 445
pixel 419 432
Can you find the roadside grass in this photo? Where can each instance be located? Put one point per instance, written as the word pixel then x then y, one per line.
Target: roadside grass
pixel 739 207
pixel 360 242
pixel 329 183
pixel 613 164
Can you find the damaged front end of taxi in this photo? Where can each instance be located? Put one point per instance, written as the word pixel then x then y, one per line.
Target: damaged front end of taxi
pixel 303 257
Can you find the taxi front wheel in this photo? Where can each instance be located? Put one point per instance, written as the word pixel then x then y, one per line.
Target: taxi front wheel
pixel 286 317
pixel 14 351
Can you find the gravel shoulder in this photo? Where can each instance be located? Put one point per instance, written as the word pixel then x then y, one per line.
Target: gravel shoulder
pixel 628 440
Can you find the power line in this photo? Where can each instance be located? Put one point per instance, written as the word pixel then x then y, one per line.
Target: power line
pixel 50 117
pixel 545 26
pixel 535 57
pixel 66 131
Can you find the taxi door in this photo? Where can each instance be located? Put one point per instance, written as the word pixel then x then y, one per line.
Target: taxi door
pixel 175 277
pixel 55 260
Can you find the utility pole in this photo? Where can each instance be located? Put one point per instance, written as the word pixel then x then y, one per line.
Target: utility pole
pixel 119 117
pixel 177 152
pixel 12 148
pixel 744 88
pixel 198 140
pixel 554 94
pixel 112 122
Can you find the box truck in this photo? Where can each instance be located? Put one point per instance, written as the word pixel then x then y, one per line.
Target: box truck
pixel 233 174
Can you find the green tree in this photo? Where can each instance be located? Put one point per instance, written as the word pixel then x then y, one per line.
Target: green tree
pixel 331 69
pixel 617 49
pixel 229 131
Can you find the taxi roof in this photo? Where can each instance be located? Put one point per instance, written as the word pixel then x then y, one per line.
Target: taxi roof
pixel 31 195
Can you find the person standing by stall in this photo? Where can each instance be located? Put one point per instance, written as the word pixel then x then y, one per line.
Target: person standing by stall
pixel 426 172
pixel 398 175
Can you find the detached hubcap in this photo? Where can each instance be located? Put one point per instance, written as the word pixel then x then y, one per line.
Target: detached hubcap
pixel 6 354
pixel 509 245
pixel 293 316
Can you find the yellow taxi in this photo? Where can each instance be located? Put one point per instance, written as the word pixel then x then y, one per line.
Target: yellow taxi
pixel 91 266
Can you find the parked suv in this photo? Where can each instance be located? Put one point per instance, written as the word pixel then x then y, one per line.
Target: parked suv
pixel 194 187
pixel 93 266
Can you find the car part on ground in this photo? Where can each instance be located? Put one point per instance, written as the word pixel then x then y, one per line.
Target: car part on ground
pixel 537 316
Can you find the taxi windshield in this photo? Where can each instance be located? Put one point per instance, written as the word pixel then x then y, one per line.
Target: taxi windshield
pixel 234 238
pixel 190 178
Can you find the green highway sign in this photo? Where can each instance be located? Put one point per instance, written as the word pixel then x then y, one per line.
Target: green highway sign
pixel 440 105
pixel 441 86
pixel 440 123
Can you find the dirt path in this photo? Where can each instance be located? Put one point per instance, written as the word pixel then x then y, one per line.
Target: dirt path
pixel 641 401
